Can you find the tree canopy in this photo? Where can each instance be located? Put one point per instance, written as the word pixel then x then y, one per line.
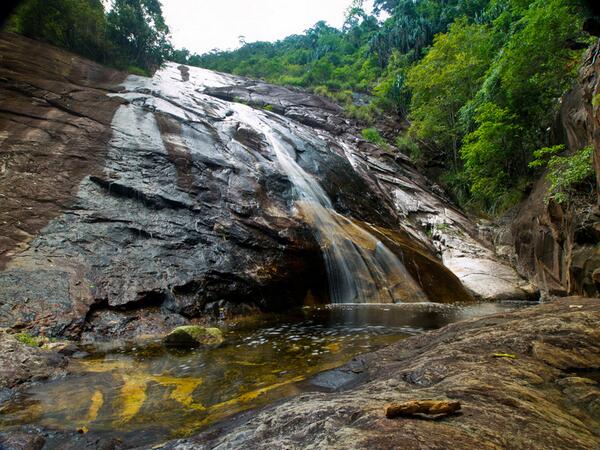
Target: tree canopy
pixel 132 34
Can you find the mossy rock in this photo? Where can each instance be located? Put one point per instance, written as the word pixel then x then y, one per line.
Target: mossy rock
pixel 193 336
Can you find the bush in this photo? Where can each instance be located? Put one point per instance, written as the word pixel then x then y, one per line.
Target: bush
pixel 565 173
pixel 409 147
pixel 138 71
pixel 372 135
pixel 363 113
pixel 28 339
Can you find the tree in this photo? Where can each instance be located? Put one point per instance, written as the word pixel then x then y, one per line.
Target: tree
pixel 140 33
pixel 76 25
pixel 445 80
pixel 489 156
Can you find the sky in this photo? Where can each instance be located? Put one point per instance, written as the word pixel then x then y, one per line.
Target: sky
pixel 202 25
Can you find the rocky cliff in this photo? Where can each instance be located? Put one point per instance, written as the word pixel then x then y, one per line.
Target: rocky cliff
pixel 131 205
pixel 556 245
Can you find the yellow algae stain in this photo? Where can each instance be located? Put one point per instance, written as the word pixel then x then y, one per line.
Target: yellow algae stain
pixel 97 402
pixel 224 409
pixel 183 389
pixel 333 347
pixel 133 396
pixel 252 395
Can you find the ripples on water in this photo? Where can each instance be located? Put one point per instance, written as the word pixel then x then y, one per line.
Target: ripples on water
pixel 124 388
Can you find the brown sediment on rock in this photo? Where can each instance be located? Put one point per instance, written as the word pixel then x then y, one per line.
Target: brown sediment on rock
pixel 54 127
pixel 547 398
pixel 416 407
pixel 425 268
pixel 179 153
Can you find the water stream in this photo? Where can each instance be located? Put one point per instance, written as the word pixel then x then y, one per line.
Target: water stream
pixel 360 268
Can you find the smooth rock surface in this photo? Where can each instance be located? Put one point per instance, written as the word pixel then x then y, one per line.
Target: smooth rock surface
pixel 547 397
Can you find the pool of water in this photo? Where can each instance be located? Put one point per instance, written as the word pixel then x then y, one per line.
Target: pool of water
pixel 144 393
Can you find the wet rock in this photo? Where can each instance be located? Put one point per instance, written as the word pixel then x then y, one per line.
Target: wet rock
pixel 421 407
pixel 193 336
pixel 21 441
pixel 20 363
pixel 62 348
pixel 538 400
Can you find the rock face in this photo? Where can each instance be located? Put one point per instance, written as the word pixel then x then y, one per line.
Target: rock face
pixel 138 204
pixel 555 245
pixel 544 395
pixel 20 363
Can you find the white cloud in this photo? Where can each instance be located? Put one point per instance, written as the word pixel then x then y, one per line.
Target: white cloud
pixel 201 25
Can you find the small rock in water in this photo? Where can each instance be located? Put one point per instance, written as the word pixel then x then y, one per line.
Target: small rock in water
pixel 193 336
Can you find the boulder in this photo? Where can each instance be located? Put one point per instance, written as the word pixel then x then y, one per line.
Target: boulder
pixel 193 336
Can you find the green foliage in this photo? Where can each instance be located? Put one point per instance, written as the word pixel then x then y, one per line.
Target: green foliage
pixel 408 146
pixel 322 57
pixel 445 80
pixel 28 339
pixel 138 71
pixel 132 36
pixel 565 173
pixel 76 25
pixel 138 30
pixel 363 113
pixel 596 101
pixel 489 157
pixel 542 155
pixel 372 135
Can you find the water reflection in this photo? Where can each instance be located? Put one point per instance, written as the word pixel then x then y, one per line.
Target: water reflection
pixel 124 388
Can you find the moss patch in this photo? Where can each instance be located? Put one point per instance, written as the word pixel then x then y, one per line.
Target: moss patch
pixel 193 336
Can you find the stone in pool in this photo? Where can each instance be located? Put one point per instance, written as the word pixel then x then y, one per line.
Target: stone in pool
pixel 193 336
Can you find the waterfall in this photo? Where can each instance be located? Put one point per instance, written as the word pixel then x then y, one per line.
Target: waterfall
pixel 360 268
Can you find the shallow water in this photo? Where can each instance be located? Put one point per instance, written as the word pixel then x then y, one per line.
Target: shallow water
pixel 123 389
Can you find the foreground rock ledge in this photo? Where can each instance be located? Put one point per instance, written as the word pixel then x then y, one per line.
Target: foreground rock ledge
pixel 545 398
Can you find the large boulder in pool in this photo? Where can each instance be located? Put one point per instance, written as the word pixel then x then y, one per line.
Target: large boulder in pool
pixel 193 336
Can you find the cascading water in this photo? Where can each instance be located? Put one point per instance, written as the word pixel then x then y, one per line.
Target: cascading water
pixel 361 269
